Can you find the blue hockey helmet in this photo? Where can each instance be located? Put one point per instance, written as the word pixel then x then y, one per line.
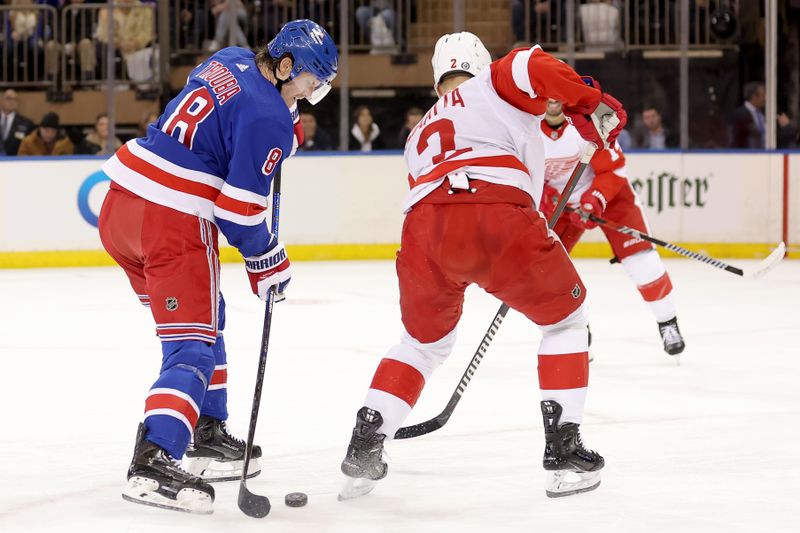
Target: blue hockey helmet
pixel 312 50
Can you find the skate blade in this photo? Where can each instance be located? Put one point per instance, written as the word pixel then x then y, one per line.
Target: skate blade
pixel 144 491
pixel 213 471
pixel 355 487
pixel 562 483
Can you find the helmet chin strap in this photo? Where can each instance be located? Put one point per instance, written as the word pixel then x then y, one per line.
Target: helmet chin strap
pixel 278 82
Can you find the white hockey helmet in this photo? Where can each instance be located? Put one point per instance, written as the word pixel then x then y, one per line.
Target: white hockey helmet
pixel 459 52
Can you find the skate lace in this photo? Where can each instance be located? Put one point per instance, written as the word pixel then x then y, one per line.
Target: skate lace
pixel 177 464
pixel 579 441
pixel 670 334
pixel 230 436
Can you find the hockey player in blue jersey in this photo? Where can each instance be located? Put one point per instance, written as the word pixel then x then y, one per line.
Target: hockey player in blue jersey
pixel 206 166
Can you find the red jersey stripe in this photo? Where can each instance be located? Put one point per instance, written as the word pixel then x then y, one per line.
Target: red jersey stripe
pixel 398 379
pixel 563 371
pixel 162 177
pixel 442 169
pixel 239 207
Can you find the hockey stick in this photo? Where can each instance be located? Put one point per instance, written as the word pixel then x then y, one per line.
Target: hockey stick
pixel 762 268
pixel 253 504
pixel 441 419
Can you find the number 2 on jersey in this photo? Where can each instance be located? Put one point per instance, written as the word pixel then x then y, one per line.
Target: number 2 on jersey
pixel 447 142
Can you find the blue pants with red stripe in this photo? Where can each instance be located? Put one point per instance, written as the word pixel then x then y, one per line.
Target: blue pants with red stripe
pixel 193 381
pixel 172 262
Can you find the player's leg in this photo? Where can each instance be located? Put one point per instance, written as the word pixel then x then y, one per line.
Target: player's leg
pixel 215 454
pixel 535 276
pixel 570 234
pixel 644 267
pixel 431 304
pixel 176 255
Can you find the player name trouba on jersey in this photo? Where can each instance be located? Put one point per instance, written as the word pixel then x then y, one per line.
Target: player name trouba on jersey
pixel 222 81
pixel 265 263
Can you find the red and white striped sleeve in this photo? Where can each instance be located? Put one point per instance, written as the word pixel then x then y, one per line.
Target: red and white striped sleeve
pixel 526 78
pixel 610 174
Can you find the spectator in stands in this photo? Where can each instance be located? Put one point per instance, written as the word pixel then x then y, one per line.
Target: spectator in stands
pixel 192 20
pixel 624 140
pixel 365 134
pixel 22 32
pixel 76 44
pixel 413 116
pixel 376 22
pixel 96 142
pixel 651 133
pixel 13 126
pixel 315 138
pixel 547 21
pixel 787 136
pixel 134 30
pixel 147 119
pixel 47 139
pixel 600 25
pixel 223 11
pixel 748 125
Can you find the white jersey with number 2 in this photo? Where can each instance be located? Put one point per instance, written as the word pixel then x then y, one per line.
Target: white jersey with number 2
pixel 488 128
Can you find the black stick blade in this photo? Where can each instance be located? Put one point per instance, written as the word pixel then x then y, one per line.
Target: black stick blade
pixel 423 428
pixel 252 504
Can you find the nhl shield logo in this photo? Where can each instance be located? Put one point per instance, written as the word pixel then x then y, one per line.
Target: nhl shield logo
pixel 172 303
pixel 576 292
pixel 554 135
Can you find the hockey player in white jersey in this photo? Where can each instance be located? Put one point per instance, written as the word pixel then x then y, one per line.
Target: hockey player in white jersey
pixel 476 172
pixel 605 191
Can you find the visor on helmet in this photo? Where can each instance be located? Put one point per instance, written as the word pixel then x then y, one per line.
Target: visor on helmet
pixel 319 93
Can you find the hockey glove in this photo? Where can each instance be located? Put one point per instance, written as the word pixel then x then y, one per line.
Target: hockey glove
pixel 592 203
pixel 602 125
pixel 549 201
pixel 270 269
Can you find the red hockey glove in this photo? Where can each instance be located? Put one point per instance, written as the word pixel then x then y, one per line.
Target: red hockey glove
pixel 550 196
pixel 602 125
pixel 592 203
pixel 270 269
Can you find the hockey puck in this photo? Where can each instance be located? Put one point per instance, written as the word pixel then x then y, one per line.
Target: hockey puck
pixel 296 499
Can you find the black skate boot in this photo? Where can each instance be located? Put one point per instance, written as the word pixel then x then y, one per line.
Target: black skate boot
pixel 156 478
pixel 566 457
pixel 671 335
pixel 216 455
pixel 364 464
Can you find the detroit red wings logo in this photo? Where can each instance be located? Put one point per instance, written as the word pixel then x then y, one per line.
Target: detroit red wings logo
pixel 272 161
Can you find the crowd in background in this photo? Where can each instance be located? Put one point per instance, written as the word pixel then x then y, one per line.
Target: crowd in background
pixel 81 47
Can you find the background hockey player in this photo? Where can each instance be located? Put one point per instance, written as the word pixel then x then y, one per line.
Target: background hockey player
pixel 604 190
pixel 476 167
pixel 206 164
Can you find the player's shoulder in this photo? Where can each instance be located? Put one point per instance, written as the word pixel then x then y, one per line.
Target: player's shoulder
pixel 252 90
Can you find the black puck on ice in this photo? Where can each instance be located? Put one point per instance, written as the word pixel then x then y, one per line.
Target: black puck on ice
pixel 296 499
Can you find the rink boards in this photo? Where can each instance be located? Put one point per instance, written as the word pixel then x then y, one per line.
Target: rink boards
pixel 727 204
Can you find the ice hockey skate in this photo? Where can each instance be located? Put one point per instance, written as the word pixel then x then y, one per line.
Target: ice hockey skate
pixel 216 455
pixel 155 478
pixel 571 467
pixel 364 465
pixel 671 335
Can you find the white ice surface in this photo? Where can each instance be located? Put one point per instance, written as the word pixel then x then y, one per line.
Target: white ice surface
pixel 710 446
